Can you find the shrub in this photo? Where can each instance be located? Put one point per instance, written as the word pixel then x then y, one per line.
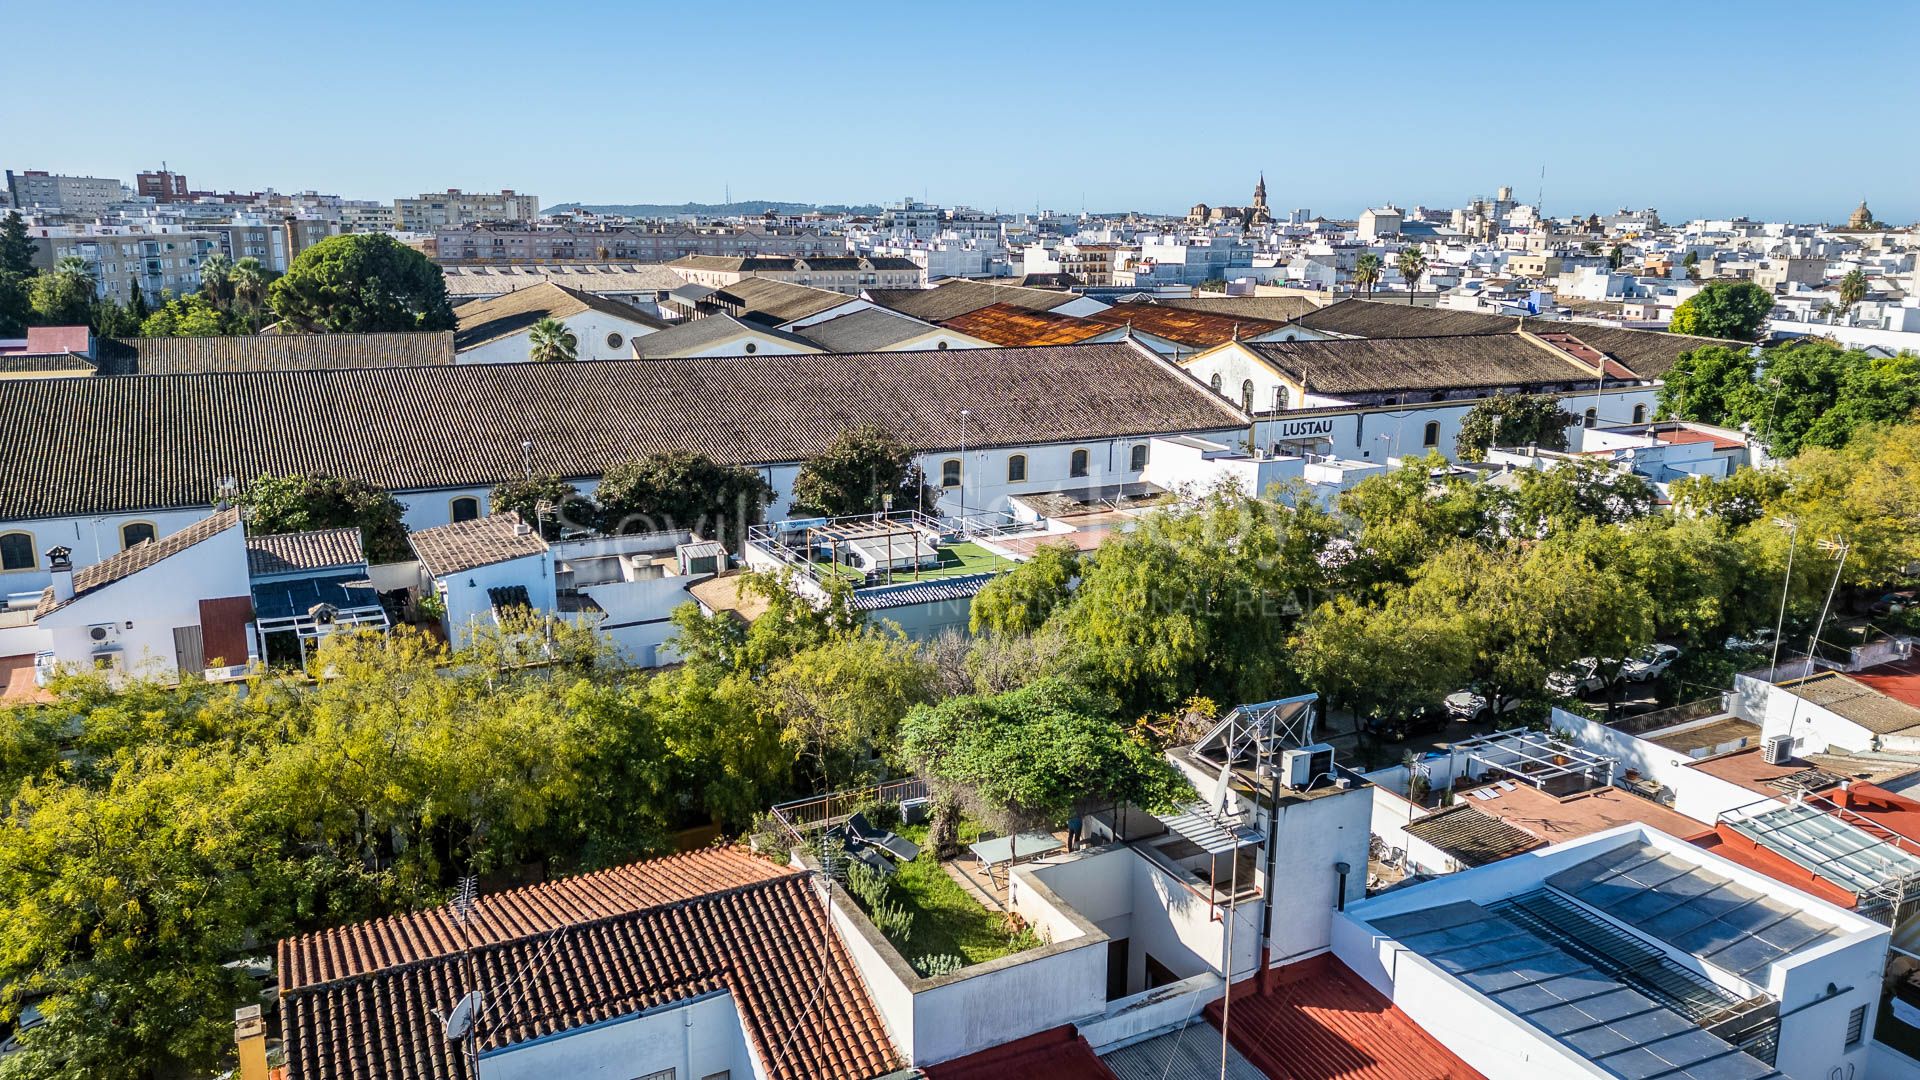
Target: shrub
pixel 895 921
pixel 932 967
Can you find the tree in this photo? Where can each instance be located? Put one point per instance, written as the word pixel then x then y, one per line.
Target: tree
pixel 677 490
pixel 1366 272
pixel 1692 263
pixel 549 340
pixel 1551 500
pixel 111 318
pixel 1702 572
pixel 250 280
pixel 556 504
pixel 16 275
pixel 1399 519
pixel 1513 420
pixel 1392 660
pixel 1735 310
pixel 192 315
pixel 1615 256
pixel 851 476
pixel 16 250
pixel 1808 392
pixel 1713 383
pixel 1412 264
pixel 839 703
pixel 216 281
pixel 137 303
pixel 1020 600
pixel 284 504
pixel 362 283
pixel 1853 289
pixel 64 296
pixel 1738 499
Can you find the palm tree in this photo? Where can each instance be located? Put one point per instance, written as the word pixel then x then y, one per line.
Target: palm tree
pixel 75 266
pixel 551 340
pixel 248 282
pixel 1853 289
pixel 1412 264
pixel 216 280
pixel 1366 272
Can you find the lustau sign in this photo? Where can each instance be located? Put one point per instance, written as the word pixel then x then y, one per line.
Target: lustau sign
pixel 1294 429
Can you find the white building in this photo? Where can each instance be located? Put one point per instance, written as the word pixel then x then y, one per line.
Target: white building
pixel 495 331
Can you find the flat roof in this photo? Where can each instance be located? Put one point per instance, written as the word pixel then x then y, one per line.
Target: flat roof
pixel 1750 770
pixel 1718 732
pixel 1568 817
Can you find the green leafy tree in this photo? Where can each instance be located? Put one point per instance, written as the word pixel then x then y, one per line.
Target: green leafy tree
pixel 840 703
pixel 1853 289
pixel 284 504
pixel 111 318
pixel 678 490
pixel 1399 519
pixel 1020 601
pixel 1513 420
pixel 362 283
pixel 16 249
pixel 1798 394
pixel 1366 272
pixel 1572 493
pixel 1692 264
pixel 250 280
pixel 216 281
pixel 137 303
pixel 1736 310
pixel 16 303
pixel 549 340
pixel 1701 570
pixel 553 502
pixel 1713 383
pixel 1412 264
pixel 1738 499
pixel 1615 256
pixel 1391 660
pixel 853 474
pixel 192 315
pixel 63 296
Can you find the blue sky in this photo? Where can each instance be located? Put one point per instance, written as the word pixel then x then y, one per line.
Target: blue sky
pixel 1698 107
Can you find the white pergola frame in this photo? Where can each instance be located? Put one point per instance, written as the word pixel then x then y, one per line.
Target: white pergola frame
pixel 1536 757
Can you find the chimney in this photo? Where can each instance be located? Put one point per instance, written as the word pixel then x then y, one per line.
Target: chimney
pixel 60 565
pixel 250 1039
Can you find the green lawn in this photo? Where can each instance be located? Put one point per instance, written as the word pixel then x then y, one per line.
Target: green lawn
pixel 955 560
pixel 946 918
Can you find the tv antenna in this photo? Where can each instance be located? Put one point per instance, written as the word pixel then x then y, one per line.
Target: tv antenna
pixel 461 1024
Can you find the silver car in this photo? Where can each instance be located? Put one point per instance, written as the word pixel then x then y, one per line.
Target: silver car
pixel 1652 663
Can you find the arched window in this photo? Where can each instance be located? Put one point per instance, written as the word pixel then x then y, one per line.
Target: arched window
pixel 1639 414
pixel 1279 398
pixel 1592 418
pixel 16 551
pixel 1432 435
pixel 1216 382
pixel 136 532
pixel 950 473
pixel 1079 467
pixel 464 508
pixel 1016 468
pixel 1246 395
pixel 1139 460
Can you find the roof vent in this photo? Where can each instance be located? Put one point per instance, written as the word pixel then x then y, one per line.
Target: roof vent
pixel 521 528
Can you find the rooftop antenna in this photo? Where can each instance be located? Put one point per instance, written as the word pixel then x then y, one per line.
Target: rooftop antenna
pixel 1540 197
pixel 461 1024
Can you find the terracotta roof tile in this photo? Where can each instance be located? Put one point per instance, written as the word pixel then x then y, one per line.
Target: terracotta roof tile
pixel 1006 324
pixel 358 1003
pixel 1194 329
pixel 467 545
pixel 321 549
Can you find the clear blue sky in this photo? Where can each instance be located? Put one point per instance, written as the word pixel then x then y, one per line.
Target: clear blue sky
pixel 1698 107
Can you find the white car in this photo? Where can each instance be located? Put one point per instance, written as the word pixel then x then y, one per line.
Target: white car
pixel 1473 705
pixel 1581 677
pixel 1652 663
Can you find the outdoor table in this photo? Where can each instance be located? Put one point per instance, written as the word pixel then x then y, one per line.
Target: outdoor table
pixel 1003 849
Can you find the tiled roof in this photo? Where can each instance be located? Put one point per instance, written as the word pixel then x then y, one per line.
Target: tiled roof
pixel 1007 324
pixel 1471 837
pixel 866 330
pixel 40 365
pixel 469 281
pixel 272 352
pixel 139 557
pixel 358 1003
pixel 1194 329
pixel 777 302
pixel 1271 308
pixel 468 545
pixel 1323 1022
pixel 1388 365
pixel 1060 1053
pixel 287 553
pixel 955 298
pixel 504 316
pixel 462 425
pixel 696 336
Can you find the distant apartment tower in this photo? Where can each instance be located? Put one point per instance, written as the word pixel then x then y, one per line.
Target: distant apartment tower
pixel 76 195
pixel 454 208
pixel 121 257
pixel 164 186
pixel 275 243
pixel 659 244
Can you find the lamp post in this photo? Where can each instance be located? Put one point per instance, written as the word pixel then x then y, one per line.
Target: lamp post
pixel 964 413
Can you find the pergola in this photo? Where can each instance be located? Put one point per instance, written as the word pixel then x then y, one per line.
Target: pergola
pixel 1536 757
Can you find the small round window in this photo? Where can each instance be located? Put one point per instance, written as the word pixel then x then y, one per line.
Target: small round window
pixel 751 347
pixel 614 341
pixel 941 346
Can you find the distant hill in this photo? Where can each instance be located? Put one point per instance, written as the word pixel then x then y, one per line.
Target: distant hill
pixel 733 209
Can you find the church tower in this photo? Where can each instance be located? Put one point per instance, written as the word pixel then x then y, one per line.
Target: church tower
pixel 1862 218
pixel 1260 193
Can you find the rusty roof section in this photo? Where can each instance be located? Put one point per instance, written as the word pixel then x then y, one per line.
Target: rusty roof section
pixel 1184 326
pixel 1006 324
pixel 359 1002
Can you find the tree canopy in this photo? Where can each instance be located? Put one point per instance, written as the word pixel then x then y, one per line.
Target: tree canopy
pixel 1807 393
pixel 678 490
pixel 284 504
pixel 1513 420
pixel 362 283
pixel 853 474
pixel 1736 310
pixel 554 502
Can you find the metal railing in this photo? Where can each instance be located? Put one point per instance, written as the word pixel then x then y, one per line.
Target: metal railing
pixel 797 817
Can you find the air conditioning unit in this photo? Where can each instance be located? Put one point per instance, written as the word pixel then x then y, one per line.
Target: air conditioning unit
pixel 101 633
pixel 1300 768
pixel 1778 750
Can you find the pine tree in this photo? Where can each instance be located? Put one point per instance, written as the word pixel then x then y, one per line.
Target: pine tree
pixel 137 303
pixel 16 251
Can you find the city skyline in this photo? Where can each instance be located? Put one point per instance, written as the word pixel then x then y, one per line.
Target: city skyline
pixel 874 104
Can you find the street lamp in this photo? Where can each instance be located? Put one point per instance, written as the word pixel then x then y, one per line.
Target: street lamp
pixel 964 413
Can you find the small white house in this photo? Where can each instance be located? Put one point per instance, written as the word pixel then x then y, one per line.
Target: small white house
pixel 495 331
pixel 481 569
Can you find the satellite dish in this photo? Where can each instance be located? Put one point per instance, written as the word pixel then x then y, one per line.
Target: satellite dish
pixel 460 1021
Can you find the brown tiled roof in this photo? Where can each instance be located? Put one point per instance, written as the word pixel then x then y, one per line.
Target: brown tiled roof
pixel 1386 365
pixel 462 425
pixel 506 315
pixel 140 556
pixel 1271 308
pixel 358 1003
pixel 468 545
pixel 1471 837
pixel 1060 1053
pixel 955 298
pixel 1194 329
pixel 777 302
pixel 272 352
pixel 1005 324
pixel 321 549
pixel 1860 702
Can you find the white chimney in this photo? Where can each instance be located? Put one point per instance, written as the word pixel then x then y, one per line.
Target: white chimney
pixel 60 565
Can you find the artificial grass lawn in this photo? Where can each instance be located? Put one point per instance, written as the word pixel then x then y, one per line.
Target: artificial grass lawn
pixel 955 560
pixel 946 918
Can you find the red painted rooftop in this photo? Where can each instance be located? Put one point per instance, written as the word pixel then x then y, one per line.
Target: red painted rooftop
pixel 1320 1021
pixel 1899 680
pixel 52 341
pixel 1746 851
pixel 1058 1054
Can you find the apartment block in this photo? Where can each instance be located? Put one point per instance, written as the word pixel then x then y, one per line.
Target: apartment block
pixel 81 196
pixel 453 208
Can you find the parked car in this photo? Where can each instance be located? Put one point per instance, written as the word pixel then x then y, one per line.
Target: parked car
pixel 1423 721
pixel 1471 704
pixel 1653 662
pixel 1757 641
pixel 1580 677
pixel 1894 603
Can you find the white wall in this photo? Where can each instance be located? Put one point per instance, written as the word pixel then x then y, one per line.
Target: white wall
pixel 1698 795
pixel 590 329
pixel 696 1039
pixel 469 606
